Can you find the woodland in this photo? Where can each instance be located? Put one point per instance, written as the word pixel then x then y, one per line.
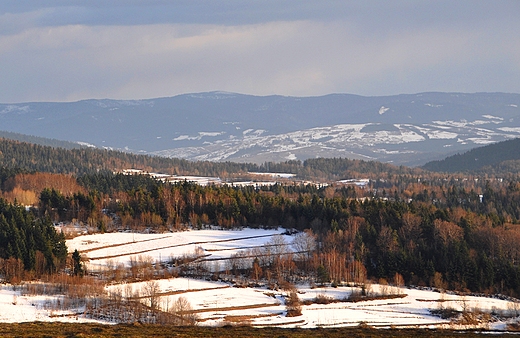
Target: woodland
pixel 449 231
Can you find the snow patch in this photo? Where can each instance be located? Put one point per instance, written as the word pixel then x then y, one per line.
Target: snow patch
pixel 200 136
pixel 15 109
pixel 210 134
pixel 85 144
pixel 383 110
pixel 491 117
pixel 510 129
pixel 216 301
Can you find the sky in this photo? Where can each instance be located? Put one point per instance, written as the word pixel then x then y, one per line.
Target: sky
pixel 67 50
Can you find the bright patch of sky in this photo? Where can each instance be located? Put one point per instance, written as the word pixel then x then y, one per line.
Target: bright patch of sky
pixel 71 50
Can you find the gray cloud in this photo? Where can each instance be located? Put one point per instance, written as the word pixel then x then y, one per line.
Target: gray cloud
pixel 66 50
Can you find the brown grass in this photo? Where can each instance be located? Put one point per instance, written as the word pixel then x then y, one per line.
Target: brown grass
pixel 245 318
pixel 63 330
pixel 232 308
pixel 178 292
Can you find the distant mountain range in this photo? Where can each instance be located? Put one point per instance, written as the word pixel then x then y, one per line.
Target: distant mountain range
pixel 217 126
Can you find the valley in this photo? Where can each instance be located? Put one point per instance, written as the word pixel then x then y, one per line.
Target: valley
pixel 233 229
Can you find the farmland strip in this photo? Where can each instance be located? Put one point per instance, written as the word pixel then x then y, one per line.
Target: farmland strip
pixel 232 308
pixel 120 244
pixel 177 292
pixel 301 321
pixel 178 245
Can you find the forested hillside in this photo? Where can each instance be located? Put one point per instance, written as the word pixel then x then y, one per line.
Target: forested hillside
pixel 17 155
pixel 453 233
pixel 28 244
pixel 449 231
pixel 33 157
pixel 487 158
pixel 40 140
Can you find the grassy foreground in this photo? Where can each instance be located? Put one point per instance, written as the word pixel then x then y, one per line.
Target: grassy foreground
pixel 37 329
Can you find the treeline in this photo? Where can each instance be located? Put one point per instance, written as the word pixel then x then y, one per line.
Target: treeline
pixel 488 157
pixel 38 158
pixel 496 159
pixel 458 234
pixel 40 140
pixel 341 168
pixel 28 244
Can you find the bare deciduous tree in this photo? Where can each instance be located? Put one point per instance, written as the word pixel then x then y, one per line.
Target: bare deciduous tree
pixel 151 291
pixel 304 243
pixel 184 312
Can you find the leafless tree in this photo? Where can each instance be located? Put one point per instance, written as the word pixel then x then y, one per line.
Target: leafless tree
pixel 448 232
pixel 151 291
pixel 184 312
pixel 304 244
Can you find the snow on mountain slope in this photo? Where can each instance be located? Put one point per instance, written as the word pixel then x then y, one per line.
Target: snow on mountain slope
pixel 394 142
pixel 404 129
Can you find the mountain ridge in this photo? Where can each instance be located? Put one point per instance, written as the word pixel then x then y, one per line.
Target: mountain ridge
pixel 409 129
pixel 492 155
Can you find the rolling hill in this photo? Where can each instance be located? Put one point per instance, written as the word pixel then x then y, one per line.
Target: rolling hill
pixel 217 126
pixel 479 158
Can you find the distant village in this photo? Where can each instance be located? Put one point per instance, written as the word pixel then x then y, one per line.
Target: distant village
pixel 258 179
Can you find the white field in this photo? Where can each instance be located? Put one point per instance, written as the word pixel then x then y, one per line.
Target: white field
pixel 18 309
pixel 214 303
pixel 217 303
pixel 121 247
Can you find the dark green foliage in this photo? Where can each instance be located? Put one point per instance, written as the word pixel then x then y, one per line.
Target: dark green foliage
pixel 6 173
pixel 108 182
pixel 488 156
pixel 22 236
pixel 39 140
pixel 33 157
pixel 322 275
pixel 77 266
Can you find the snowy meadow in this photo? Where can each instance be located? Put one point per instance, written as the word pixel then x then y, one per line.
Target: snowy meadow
pixel 193 277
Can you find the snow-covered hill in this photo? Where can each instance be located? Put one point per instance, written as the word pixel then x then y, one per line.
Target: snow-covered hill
pixel 404 129
pixel 400 143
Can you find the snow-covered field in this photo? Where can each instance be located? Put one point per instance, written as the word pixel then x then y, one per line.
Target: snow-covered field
pixel 17 308
pixel 121 247
pixel 218 303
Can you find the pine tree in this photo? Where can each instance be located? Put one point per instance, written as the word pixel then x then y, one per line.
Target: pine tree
pixel 77 266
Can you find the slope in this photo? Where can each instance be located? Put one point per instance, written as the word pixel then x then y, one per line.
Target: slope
pixel 478 158
pixel 41 140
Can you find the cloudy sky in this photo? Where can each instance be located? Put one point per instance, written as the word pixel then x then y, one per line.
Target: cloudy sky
pixel 129 49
